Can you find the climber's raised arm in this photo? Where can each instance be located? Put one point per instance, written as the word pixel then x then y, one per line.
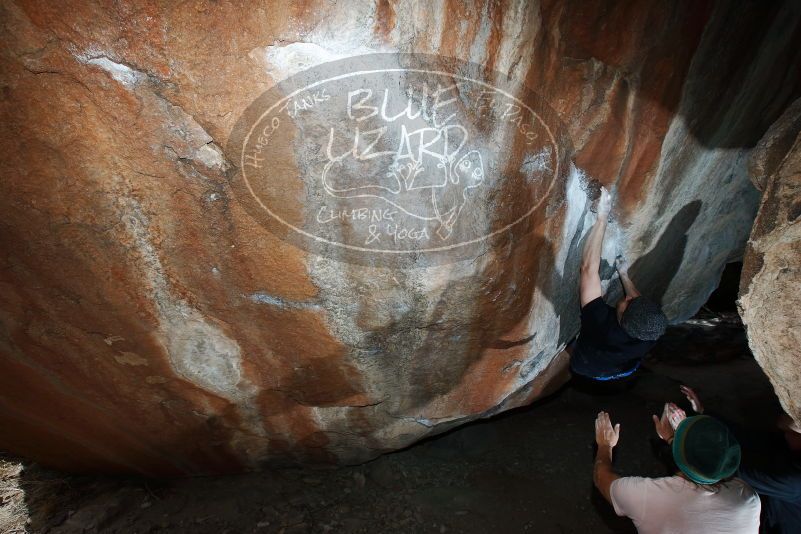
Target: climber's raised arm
pixel 612 341
pixel 590 285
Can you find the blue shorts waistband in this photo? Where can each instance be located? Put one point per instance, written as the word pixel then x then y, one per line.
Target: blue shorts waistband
pixel 616 376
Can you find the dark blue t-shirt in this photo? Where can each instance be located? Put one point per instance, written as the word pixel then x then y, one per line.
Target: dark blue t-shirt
pixel 604 351
pixel 776 476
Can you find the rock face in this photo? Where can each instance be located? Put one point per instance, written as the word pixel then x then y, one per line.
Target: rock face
pixel 770 300
pixel 158 317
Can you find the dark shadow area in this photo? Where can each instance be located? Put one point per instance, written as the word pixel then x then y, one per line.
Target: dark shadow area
pixel 714 334
pixel 724 298
pixel 719 114
pixel 654 271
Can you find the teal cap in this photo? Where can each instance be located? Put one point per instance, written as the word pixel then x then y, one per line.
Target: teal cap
pixel 705 450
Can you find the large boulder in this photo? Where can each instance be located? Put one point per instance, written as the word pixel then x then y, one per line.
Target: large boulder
pixel 770 294
pixel 165 312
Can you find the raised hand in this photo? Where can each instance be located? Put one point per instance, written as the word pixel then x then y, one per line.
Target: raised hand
pixel 692 396
pixel 604 202
pixel 675 415
pixel 605 434
pixel 665 426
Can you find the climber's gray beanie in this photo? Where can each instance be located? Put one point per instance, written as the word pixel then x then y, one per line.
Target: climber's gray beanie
pixel 643 319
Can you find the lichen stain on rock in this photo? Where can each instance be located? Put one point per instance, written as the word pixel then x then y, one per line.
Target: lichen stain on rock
pixel 198 350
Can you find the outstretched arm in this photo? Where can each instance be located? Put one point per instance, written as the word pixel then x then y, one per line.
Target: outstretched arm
pixel 590 285
pixel 623 271
pixel 606 436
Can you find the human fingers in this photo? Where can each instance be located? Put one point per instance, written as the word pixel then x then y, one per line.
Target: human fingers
pixel 608 427
pixel 599 420
pixel 604 201
pixel 677 415
pixel 695 400
pixel 658 426
pixel 688 392
pixel 608 421
pixel 674 409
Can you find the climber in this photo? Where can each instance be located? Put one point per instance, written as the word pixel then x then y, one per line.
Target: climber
pixel 612 341
pixel 771 465
pixel 703 496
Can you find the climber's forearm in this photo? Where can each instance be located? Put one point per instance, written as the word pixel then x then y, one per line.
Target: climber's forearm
pixel 591 257
pixel 628 285
pixel 591 262
pixel 603 474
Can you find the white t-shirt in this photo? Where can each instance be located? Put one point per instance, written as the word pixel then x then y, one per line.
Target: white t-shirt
pixel 674 505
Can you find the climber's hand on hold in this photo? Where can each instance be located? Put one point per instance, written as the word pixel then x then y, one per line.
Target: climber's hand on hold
pixel 695 400
pixel 604 203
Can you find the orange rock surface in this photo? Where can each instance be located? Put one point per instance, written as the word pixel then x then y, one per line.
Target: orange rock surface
pixel 150 323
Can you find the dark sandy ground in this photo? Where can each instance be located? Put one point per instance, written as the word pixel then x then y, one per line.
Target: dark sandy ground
pixel 524 471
